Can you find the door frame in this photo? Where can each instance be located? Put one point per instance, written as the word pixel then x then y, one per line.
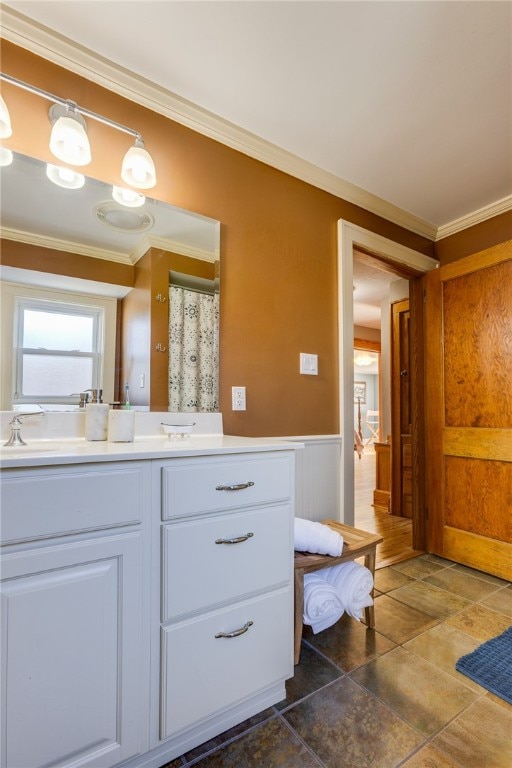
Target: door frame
pixel 397 307
pixel 350 236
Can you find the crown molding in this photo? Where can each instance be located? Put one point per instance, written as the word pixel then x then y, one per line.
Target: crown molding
pixel 487 212
pixel 146 242
pixel 172 246
pixel 63 245
pixel 61 51
pixel 185 250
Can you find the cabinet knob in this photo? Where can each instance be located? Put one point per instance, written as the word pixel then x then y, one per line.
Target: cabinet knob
pixel 236 632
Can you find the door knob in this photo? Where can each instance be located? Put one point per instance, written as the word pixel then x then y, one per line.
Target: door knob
pixel 403 373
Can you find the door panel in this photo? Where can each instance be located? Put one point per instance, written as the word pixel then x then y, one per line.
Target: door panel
pixel 469 410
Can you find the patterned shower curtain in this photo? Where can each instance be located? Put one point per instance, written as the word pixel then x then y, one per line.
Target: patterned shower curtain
pixel 193 351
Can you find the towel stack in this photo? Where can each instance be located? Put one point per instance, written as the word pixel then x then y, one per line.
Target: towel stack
pixel 354 584
pixel 331 592
pixel 316 538
pixel 322 603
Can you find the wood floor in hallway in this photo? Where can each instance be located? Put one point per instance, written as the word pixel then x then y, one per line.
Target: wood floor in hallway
pixel 396 531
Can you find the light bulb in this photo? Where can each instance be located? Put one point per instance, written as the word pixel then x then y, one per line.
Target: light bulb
pixel 68 140
pixel 128 197
pixel 65 177
pixel 6 157
pixel 5 120
pixel 138 169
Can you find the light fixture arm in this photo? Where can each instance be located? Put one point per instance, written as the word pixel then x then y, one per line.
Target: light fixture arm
pixel 69 141
pixel 69 104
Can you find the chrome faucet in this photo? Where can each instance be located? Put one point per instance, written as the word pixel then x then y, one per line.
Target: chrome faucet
pixel 15 424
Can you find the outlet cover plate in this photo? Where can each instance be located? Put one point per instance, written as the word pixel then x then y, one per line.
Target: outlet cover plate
pixel 238 398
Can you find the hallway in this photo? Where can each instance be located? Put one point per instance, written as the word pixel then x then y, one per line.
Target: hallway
pixel 396 531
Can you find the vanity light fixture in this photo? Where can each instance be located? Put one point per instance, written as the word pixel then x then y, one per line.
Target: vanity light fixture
pixel 128 197
pixel 138 169
pixel 5 120
pixel 65 177
pixel 69 141
pixel 6 157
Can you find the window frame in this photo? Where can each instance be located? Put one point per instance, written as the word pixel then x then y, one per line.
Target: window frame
pixel 15 294
pixel 21 304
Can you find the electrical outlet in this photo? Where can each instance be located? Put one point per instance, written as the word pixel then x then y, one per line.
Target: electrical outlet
pixel 238 398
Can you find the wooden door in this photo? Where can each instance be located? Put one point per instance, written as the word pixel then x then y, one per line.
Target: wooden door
pixel 469 410
pixel 401 411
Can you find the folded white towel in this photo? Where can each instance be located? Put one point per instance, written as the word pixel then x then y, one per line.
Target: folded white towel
pixel 316 538
pixel 322 605
pixel 353 584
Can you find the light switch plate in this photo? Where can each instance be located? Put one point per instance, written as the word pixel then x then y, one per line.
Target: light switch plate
pixel 309 364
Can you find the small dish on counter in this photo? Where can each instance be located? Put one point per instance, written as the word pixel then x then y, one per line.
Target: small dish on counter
pixel 178 431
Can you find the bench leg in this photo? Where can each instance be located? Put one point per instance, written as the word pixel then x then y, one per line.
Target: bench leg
pixel 299 612
pixel 369 612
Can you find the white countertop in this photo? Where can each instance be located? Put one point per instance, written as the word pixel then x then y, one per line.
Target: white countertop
pixel 53 452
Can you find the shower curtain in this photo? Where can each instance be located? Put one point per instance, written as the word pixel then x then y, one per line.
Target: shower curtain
pixel 193 351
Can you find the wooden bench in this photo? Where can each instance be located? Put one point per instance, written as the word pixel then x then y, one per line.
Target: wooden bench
pixel 356 544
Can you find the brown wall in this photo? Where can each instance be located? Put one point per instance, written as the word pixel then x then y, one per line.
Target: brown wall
pixel 23 256
pixel 278 249
pixel 474 239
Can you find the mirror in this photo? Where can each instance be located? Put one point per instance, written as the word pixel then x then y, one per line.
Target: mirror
pixel 88 221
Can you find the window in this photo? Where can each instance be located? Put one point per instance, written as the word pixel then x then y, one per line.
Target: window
pixel 58 351
pixel 55 344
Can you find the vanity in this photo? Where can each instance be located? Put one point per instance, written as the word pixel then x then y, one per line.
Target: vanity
pixel 147 594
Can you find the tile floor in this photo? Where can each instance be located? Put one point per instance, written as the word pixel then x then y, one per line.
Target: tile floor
pixel 389 697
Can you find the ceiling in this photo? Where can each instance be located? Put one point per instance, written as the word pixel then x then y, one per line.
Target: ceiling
pixel 408 101
pixel 399 104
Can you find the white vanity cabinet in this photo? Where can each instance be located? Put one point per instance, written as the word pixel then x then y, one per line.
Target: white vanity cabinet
pixel 74 659
pixel 226 608
pixel 147 597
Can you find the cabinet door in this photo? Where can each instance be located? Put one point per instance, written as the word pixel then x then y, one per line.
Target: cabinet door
pixel 71 654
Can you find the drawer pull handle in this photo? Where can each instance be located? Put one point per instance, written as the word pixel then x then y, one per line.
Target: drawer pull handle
pixel 236 632
pixel 238 539
pixel 239 487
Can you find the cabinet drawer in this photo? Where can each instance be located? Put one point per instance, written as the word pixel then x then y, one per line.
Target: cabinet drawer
pixel 201 485
pixel 198 572
pixel 203 674
pixel 68 500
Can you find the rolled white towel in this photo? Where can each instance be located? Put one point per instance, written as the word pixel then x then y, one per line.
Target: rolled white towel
pixel 353 583
pixel 316 538
pixel 322 605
